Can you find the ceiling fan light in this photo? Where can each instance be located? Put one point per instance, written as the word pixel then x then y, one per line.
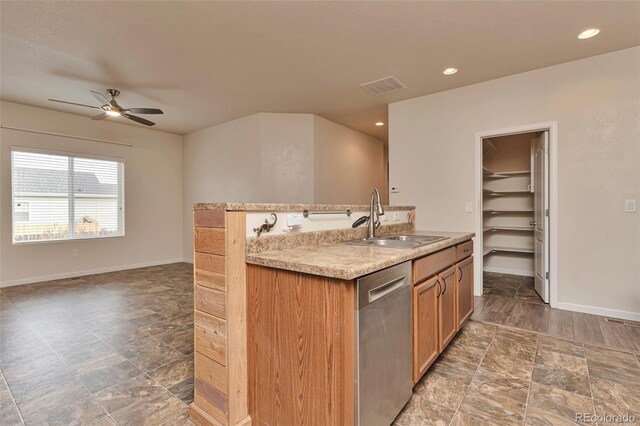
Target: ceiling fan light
pixel 113 113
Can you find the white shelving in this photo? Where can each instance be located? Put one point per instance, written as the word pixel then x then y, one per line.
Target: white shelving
pixel 508 205
pixel 491 174
pixel 508 228
pixel 507 209
pixel 496 249
pixel 501 193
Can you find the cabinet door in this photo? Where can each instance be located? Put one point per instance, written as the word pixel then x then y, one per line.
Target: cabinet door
pixel 464 276
pixel 425 326
pixel 447 302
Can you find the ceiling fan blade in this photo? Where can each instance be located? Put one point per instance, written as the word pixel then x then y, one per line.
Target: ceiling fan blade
pixel 100 97
pixel 144 110
pixel 139 119
pixel 73 103
pixel 100 116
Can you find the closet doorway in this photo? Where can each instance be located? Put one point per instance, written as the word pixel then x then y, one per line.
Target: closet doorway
pixel 515 211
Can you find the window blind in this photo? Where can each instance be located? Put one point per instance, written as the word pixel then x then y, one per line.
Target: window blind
pixel 63 197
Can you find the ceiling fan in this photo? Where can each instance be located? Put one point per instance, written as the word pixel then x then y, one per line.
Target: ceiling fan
pixel 110 108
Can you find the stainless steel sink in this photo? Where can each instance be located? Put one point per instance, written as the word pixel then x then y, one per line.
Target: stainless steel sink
pixel 398 241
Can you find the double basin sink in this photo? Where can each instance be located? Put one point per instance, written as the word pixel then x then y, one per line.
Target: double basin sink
pixel 397 241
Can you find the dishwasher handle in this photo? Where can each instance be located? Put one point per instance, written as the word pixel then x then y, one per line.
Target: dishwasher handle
pixel 386 288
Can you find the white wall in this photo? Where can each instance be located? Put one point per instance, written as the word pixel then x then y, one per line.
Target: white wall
pixel 596 102
pixel 153 196
pixel 348 164
pixel 281 158
pixel 259 158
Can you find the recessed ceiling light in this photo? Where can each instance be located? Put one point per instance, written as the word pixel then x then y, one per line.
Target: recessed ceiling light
pixel 113 113
pixel 379 123
pixel 591 32
pixel 450 71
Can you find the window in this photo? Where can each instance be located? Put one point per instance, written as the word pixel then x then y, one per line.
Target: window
pixel 62 197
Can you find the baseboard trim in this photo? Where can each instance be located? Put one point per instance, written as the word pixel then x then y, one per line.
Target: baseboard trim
pixel 31 280
pixel 595 310
pixel 509 271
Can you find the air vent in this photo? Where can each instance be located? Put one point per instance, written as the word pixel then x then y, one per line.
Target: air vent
pixel 620 321
pixel 384 85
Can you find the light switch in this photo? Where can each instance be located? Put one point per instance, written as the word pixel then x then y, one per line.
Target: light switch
pixel 395 189
pixel 468 207
pixel 630 206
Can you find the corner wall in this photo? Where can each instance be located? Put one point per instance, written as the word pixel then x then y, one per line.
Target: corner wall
pixel 347 164
pixel 279 158
pixel 258 158
pixel 596 102
pixel 153 197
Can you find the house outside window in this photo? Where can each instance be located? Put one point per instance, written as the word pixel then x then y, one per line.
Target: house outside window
pixel 58 196
pixel 21 212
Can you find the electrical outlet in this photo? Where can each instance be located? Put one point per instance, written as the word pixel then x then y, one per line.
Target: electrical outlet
pixel 395 189
pixel 75 253
pixel 630 206
pixel 468 207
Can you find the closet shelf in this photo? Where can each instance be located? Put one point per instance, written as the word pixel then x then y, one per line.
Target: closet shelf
pixel 491 174
pixel 499 193
pixel 495 249
pixel 508 228
pixel 509 211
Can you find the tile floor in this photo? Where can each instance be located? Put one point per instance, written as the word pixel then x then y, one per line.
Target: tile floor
pixel 511 286
pixel 117 348
pixel 107 349
pixel 492 375
pixel 511 300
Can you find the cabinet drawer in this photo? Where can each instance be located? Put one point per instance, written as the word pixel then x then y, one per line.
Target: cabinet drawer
pixel 428 266
pixel 464 250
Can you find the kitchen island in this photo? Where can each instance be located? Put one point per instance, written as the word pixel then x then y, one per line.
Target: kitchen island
pixel 275 323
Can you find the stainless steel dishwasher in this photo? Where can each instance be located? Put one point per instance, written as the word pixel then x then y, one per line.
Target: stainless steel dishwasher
pixel 384 345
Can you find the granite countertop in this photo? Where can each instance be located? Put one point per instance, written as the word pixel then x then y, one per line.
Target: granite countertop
pixel 346 261
pixel 281 207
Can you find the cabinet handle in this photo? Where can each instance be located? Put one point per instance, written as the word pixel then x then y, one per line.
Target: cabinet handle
pixel 460 276
pixel 445 285
pixel 439 289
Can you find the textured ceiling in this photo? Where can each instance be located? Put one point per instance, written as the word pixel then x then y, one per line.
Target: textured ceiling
pixel 205 63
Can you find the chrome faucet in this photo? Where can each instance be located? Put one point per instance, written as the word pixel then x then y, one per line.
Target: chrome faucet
pixel 375 211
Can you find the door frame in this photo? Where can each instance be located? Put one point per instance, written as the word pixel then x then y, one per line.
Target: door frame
pixel 552 128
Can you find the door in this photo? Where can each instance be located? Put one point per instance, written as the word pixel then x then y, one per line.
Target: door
pixel 541 214
pixel 447 301
pixel 425 326
pixel 465 290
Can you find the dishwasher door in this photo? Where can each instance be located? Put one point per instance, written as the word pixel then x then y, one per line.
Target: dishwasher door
pixel 384 381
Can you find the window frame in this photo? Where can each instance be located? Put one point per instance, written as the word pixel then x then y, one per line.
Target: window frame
pixel 71 194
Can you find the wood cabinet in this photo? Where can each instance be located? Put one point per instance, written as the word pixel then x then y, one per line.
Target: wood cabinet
pixel 301 348
pixel 428 266
pixel 425 326
pixel 447 313
pixel 442 302
pixel 464 276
